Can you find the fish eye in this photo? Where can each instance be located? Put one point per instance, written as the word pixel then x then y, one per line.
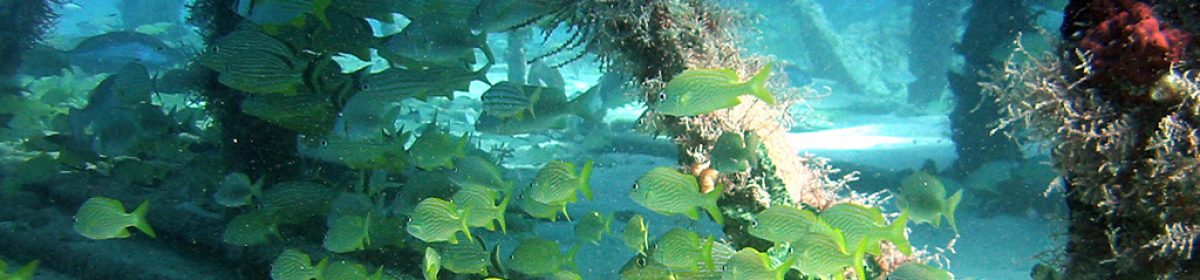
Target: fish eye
pixel 641 261
pixel 324 142
pixel 635 186
pixel 364 86
pixel 753 223
pixel 662 96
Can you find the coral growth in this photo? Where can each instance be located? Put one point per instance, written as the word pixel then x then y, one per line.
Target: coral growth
pixel 1130 44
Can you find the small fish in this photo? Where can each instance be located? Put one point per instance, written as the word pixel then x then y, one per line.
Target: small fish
pixel 636 235
pixel 436 149
pixel 592 227
pixel 826 256
pixel 295 202
pixel 469 257
pixel 293 264
pixel 701 91
pixel 480 201
pixel 643 268
pixel 348 234
pixel 735 152
pixel 346 270
pixel 474 169
pixel 858 222
pixel 785 224
pixel 105 218
pixel 541 210
pixel 109 52
pixel 667 191
pixel 540 257
pixel 422 82
pixel 236 190
pixel 436 220
pixel 553 112
pixel 682 250
pixel 249 229
pixel 255 62
pixel 923 196
pixel 920 271
pixel 24 273
pixel 432 264
pixel 509 100
pixel 494 16
pixel 386 154
pixel 751 264
pixel 557 183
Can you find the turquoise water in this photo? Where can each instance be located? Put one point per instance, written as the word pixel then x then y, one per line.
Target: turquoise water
pixel 866 88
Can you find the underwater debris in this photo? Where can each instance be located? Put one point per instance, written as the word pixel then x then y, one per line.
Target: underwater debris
pixel 701 91
pixel 1126 41
pixel 105 218
pixel 734 152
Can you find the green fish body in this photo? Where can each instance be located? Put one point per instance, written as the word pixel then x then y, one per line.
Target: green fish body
pixel 553 109
pixel 311 114
pixel 105 218
pixel 592 227
pixel 682 250
pixel 255 62
pixel 346 270
pixel 510 100
pixel 236 190
pixel 668 191
pixel 432 264
pixel 858 222
pixel 701 91
pixel 295 202
pixel 465 257
pixel 557 183
pixel 734 153
pixel 825 254
pixel 643 268
pixel 751 264
pixel 636 235
pixel 785 224
pixel 24 273
pixel 281 12
pixel 437 220
pixel 919 271
pixel 293 264
pixel 436 149
pixel 474 169
pixel 481 202
pixel 348 234
pixel 249 229
pixel 437 41
pixel 923 196
pixel 540 210
pixel 540 257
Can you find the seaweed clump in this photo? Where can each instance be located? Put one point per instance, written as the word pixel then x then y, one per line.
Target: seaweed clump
pixel 1128 152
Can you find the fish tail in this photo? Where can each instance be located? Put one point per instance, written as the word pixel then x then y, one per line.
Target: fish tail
pixel 896 233
pixel 466 229
pixel 585 177
pixel 27 271
pixel 319 8
pixel 710 204
pixel 783 268
pixel 859 252
pixel 579 105
pixel 461 149
pixel 139 216
pixel 319 270
pixel 758 85
pixel 571 258
pixel 503 209
pixel 706 250
pixel 608 223
pixel 951 205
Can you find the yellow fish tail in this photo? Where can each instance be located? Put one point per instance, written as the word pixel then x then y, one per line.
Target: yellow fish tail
pixel 758 85
pixel 140 223
pixel 896 233
pixel 710 204
pixel 951 205
pixel 585 176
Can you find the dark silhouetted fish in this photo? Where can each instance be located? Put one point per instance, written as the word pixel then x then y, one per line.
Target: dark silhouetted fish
pixel 107 53
pixel 110 120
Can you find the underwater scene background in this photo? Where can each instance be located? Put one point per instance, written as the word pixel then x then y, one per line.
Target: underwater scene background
pixel 599 139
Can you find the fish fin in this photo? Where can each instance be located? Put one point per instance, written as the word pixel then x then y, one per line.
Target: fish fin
pixel 608 223
pixel 27 271
pixel 758 85
pixel 692 214
pixel 257 186
pixel 585 176
pixel 896 234
pixel 859 251
pixel 783 268
pixel 319 7
pixel 706 254
pixel 710 204
pixel 580 107
pixel 951 205
pixel 319 270
pixel 139 216
pixel 465 228
pixel 503 208
pixel 571 258
pixel 564 211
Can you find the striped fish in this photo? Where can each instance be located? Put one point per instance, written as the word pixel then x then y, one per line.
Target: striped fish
pixel 557 183
pixel 279 12
pixel 592 227
pixel 701 91
pixel 432 263
pixel 540 257
pixel 858 222
pixel 923 196
pixel 541 210
pixel 751 264
pixel 436 149
pixel 668 191
pixel 250 228
pixel 468 257
pixel 293 264
pixel 396 84
pixel 682 250
pixel 826 255
pixel 437 220
pixel 105 218
pixel 510 100
pixel 255 62
pixel 348 234
pixel 474 169
pixel 635 235
pixel 784 224
pixel 481 202
pixel 919 271
pixel 347 270
pixel 295 202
